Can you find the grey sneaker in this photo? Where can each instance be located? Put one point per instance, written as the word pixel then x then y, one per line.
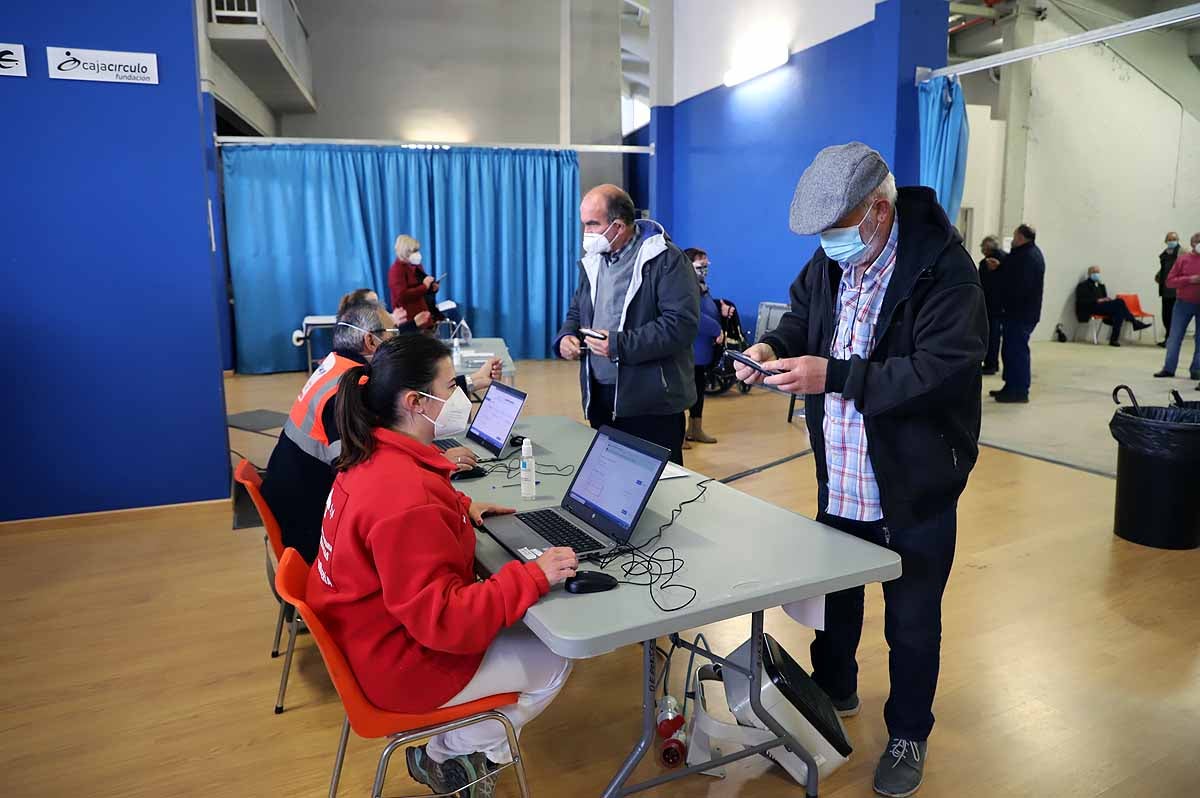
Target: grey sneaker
pixel 847 707
pixel 454 776
pixel 901 768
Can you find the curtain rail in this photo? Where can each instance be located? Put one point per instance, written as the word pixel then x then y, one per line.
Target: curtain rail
pixel 1175 15
pixel 241 141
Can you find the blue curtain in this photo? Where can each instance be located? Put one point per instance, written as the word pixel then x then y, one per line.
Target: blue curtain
pixel 307 223
pixel 944 135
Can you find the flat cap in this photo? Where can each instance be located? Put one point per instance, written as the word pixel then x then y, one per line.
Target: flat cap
pixel 839 178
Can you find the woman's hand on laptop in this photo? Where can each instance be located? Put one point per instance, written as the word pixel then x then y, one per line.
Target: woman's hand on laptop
pixel 463 458
pixel 558 564
pixel 480 509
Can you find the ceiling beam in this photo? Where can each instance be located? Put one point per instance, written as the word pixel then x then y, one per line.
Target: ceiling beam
pixel 974 11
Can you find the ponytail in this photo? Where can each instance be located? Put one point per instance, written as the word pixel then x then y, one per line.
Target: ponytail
pixel 367 395
pixel 355 420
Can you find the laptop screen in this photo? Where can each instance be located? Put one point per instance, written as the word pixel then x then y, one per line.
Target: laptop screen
pixel 496 416
pixel 614 482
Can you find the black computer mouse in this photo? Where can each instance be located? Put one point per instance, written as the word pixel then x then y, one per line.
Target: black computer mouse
pixel 590 582
pixel 470 473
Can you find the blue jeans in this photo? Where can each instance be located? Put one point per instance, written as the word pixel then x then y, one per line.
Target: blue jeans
pixel 1015 351
pixel 912 621
pixel 1183 313
pixel 992 359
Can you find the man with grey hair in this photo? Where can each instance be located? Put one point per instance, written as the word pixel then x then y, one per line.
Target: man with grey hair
pixel 884 339
pixel 632 322
pixel 300 473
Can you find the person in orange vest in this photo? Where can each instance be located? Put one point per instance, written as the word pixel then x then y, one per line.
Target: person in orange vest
pixel 300 473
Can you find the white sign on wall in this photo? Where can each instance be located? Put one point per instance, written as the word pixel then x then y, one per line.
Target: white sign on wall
pixel 12 60
pixel 108 66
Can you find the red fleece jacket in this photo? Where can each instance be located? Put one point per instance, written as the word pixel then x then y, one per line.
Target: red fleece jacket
pixel 394 579
pixel 1186 266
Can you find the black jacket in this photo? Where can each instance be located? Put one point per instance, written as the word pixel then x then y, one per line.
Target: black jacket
pixel 1087 294
pixel 919 390
pixel 990 280
pixel 1166 259
pixel 1021 281
pixel 653 350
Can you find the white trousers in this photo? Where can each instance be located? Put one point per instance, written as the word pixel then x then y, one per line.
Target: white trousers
pixel 516 662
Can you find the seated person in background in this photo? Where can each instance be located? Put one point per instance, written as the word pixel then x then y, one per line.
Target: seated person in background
pixel 410 286
pixel 299 473
pixel 1091 299
pixel 394 579
pixel 399 315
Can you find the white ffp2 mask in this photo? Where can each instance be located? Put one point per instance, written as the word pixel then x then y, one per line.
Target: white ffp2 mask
pixel 455 416
pixel 415 259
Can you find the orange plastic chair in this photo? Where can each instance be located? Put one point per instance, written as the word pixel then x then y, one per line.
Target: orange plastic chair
pixel 1134 303
pixel 247 475
pixel 367 720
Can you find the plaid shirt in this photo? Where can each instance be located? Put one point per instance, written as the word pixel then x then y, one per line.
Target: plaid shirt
pixel 853 491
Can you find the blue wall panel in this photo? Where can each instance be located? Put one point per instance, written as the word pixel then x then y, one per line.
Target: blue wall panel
pixel 114 386
pixel 736 153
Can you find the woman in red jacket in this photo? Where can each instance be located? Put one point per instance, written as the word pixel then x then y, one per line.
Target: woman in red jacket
pixel 394 577
pixel 410 286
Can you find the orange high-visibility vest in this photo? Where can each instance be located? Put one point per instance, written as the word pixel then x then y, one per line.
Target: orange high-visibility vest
pixel 305 426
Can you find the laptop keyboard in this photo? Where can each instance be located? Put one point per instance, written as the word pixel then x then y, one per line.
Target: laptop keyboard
pixel 446 444
pixel 559 532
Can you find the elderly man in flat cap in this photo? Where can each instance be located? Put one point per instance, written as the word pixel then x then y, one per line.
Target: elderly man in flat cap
pixel 884 339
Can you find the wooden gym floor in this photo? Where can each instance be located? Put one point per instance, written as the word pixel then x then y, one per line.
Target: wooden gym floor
pixel 134 648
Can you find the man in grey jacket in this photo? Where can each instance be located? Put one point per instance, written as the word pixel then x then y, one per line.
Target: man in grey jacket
pixel 638 293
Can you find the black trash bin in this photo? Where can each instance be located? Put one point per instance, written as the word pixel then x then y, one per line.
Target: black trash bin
pixel 1158 463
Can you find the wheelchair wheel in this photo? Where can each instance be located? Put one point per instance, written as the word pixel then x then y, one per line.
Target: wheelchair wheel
pixel 743 387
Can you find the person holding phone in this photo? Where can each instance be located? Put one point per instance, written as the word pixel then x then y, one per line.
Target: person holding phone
pixel 884 339
pixel 410 286
pixel 631 323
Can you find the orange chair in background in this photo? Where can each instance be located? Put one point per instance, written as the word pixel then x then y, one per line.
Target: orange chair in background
pixel 1135 309
pixel 247 475
pixel 367 720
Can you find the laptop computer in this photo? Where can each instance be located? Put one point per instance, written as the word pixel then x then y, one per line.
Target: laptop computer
pixel 600 509
pixel 491 431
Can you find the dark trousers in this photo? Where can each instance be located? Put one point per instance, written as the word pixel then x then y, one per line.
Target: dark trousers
pixel 1015 351
pixel 1116 313
pixel 667 431
pixel 991 361
pixel 1168 307
pixel 912 621
pixel 697 410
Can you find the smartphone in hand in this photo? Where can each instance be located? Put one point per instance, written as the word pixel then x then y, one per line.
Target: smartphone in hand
pixel 588 332
pixel 754 364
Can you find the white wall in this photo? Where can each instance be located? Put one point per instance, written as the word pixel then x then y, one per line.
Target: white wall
pixel 462 71
pixel 710 35
pixel 1113 164
pixel 985 169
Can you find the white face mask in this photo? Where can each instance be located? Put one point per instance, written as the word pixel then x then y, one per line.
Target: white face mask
pixel 1196 249
pixel 596 243
pixel 415 259
pixel 455 416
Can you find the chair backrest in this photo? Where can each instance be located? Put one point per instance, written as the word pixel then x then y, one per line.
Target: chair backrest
pixel 1134 303
pixel 291 580
pixel 247 475
pixel 769 314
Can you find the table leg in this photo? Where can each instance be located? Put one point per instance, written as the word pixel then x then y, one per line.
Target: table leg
pixel 756 634
pixel 615 786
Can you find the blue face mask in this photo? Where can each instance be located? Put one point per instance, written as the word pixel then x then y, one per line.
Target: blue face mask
pixel 845 244
pixel 1094 277
pixel 1172 245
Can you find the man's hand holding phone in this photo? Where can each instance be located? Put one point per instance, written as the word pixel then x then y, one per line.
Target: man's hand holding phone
pixel 595 340
pixel 759 353
pixel 800 375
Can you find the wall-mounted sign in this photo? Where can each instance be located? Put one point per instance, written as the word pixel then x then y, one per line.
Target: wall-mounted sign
pixel 12 60
pixel 109 66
